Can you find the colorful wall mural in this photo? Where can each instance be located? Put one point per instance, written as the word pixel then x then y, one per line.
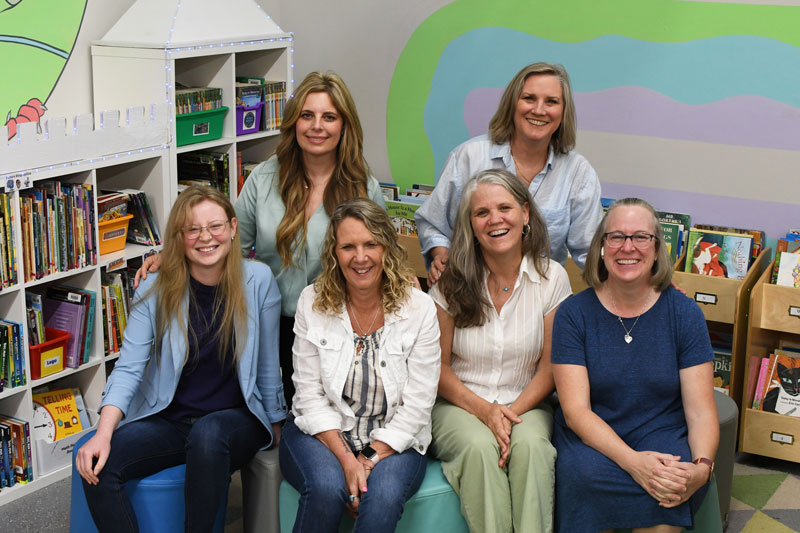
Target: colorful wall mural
pixel 710 72
pixel 36 40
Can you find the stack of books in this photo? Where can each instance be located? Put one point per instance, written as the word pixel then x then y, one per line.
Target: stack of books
pixel 722 251
pixel 194 99
pixel 209 169
pixel 8 253
pixel 776 384
pixel 402 207
pixel 117 293
pixel 58 228
pixel 12 355
pixel 786 270
pixel 16 459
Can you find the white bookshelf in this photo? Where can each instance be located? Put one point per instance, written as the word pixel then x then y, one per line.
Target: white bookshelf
pixel 201 46
pixel 129 152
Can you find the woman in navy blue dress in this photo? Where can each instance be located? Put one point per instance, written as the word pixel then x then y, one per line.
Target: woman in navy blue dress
pixel 637 429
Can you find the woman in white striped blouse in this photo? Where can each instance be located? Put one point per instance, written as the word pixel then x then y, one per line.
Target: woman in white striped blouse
pixel 495 303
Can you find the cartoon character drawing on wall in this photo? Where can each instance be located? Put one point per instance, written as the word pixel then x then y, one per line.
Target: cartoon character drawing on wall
pixel 796 275
pixel 36 40
pixel 706 260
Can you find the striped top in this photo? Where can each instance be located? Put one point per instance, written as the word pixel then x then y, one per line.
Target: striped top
pixel 498 359
pixel 363 390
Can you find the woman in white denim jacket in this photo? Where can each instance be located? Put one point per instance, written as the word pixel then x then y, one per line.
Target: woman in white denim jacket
pixel 362 409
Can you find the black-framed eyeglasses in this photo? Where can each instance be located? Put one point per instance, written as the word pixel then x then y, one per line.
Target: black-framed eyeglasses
pixel 216 229
pixel 640 239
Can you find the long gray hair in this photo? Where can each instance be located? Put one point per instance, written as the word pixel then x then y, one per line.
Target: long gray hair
pixel 462 281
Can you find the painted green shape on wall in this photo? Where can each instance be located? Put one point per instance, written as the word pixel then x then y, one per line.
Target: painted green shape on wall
pixel 36 40
pixel 568 21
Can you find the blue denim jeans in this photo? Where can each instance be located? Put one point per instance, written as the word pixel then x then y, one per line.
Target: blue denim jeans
pixel 211 446
pixel 316 473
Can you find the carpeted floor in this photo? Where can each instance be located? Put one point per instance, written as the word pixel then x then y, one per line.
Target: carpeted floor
pixel 765 496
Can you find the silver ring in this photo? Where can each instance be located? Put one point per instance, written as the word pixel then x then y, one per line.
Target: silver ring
pixel 352 498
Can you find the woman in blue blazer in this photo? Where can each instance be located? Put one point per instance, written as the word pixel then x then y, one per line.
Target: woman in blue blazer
pixel 198 378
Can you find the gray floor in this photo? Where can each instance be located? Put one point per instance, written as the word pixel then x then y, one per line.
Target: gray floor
pixel 47 510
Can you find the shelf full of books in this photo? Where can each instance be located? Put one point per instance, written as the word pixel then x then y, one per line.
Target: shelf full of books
pixel 718 269
pixel 59 281
pixel 771 403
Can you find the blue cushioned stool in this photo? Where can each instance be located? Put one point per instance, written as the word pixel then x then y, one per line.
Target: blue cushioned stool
pixel 707 519
pixel 435 507
pixel 158 501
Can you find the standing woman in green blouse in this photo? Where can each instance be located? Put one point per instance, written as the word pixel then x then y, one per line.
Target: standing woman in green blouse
pixel 285 205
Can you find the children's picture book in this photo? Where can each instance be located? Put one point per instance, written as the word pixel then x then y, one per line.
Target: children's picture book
pixel 783 245
pixel 55 415
pixel 401 212
pixel 722 370
pixel 788 269
pixel 782 394
pixel 111 206
pixel 66 310
pixel 713 253
pixel 390 191
pixel 672 238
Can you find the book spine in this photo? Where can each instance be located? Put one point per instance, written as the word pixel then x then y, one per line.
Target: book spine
pixel 762 374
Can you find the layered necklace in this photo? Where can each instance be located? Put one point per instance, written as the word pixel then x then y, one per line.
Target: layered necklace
pixel 628 337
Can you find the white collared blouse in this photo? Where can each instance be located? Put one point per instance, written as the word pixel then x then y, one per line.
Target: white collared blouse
pixel 498 359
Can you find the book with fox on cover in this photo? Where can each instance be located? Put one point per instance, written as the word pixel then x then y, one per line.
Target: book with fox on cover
pixel 712 253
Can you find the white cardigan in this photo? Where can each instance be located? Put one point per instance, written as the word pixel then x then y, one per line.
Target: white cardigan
pixel 409 359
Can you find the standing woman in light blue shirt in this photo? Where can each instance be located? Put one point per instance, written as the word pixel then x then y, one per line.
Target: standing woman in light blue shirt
pixel 285 204
pixel 532 135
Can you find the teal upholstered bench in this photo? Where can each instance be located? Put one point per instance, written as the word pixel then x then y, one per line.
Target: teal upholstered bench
pixel 707 519
pixel 435 507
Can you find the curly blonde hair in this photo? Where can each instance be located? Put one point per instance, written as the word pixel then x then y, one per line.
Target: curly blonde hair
pixel 397 277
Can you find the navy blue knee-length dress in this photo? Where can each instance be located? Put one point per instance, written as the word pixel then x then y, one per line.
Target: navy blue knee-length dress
pixel 636 389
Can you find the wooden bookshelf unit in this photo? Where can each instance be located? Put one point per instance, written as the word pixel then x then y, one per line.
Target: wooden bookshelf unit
pixel 774 316
pixel 725 302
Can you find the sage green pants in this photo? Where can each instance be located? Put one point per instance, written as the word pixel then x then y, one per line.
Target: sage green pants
pixel 517 498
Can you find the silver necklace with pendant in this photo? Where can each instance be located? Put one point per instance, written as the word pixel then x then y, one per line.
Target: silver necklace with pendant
pixel 627 337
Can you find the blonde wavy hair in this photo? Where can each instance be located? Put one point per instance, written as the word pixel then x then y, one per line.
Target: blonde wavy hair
pixel 397 277
pixel 172 285
pixel 349 178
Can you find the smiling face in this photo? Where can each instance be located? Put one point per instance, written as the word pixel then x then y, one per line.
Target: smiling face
pixel 359 254
pixel 319 127
pixel 206 253
pixel 629 263
pixel 539 110
pixel 497 219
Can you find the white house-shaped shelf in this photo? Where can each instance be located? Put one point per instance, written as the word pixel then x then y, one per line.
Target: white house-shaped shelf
pixel 163 24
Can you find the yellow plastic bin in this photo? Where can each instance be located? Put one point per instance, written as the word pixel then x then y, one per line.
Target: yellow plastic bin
pixel 113 233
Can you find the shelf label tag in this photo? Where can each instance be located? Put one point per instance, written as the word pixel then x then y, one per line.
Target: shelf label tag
pixel 782 438
pixel 794 311
pixel 705 298
pixel 116 264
